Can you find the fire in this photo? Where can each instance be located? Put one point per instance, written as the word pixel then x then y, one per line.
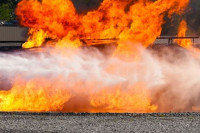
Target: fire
pixel 35 39
pixel 31 96
pixel 107 86
pixel 138 21
pixel 185 43
pixel 136 100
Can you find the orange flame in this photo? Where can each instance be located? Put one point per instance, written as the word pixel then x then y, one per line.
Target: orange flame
pixel 136 100
pixel 31 96
pixel 138 21
pixel 35 39
pixel 185 43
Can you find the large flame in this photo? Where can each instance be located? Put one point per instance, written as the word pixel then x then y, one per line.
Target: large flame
pixel 65 79
pixel 138 21
pixel 35 95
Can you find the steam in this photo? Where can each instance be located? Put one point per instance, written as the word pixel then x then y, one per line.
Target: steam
pixel 169 78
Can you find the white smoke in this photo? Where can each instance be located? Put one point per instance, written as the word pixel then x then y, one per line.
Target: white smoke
pixel 171 75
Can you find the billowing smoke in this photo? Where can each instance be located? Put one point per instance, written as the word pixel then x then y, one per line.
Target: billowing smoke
pixel 160 80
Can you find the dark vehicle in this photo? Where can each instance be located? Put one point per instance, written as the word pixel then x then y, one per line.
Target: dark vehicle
pixel 11 23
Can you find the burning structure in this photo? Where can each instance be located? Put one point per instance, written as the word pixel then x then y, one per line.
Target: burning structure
pixel 63 76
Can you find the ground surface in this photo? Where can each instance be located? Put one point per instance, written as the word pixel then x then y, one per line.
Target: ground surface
pixel 59 122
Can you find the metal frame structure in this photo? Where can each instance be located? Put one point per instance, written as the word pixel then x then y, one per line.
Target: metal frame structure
pixel 171 38
pixel 104 41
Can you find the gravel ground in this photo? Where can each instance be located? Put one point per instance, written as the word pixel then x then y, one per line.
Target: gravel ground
pixel 84 122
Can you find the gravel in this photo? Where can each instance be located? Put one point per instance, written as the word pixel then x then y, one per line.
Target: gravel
pixel 85 122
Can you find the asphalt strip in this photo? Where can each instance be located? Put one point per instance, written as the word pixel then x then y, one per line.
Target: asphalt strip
pixel 98 122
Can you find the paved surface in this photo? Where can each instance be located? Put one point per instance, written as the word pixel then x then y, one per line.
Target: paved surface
pixel 60 122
